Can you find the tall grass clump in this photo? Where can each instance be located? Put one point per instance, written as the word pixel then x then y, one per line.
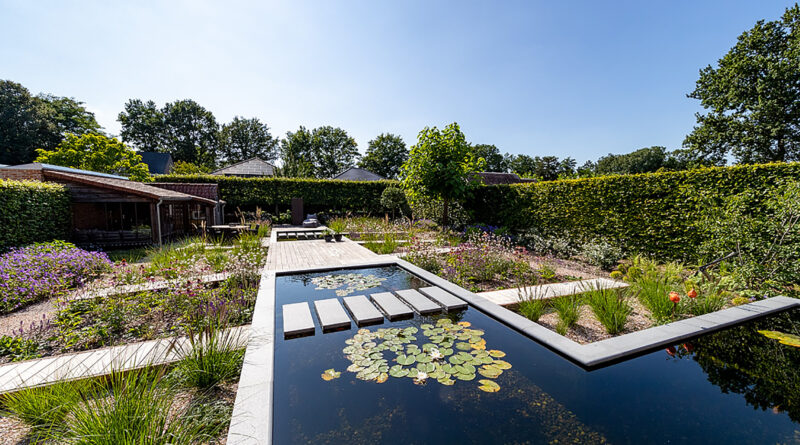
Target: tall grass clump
pixel 532 303
pixel 568 309
pixel 382 244
pixel 44 409
pixel 610 308
pixel 651 284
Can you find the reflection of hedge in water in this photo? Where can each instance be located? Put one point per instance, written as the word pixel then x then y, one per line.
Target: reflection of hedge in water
pixel 765 372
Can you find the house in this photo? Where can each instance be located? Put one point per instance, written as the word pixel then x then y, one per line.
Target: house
pixel 112 211
pixel 495 178
pixel 358 174
pixel 251 168
pixel 157 163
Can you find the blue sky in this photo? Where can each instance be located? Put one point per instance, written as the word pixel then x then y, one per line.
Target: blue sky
pixel 564 78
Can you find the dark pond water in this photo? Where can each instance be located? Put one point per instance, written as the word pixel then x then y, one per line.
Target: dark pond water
pixel 735 386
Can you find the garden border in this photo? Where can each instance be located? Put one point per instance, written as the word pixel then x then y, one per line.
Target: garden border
pixel 251 421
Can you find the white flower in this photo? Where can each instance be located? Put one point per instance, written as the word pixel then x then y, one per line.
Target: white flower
pixel 422 376
pixel 435 354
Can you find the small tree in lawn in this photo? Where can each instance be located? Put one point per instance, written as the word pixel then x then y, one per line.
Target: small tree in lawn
pixel 393 198
pixel 442 166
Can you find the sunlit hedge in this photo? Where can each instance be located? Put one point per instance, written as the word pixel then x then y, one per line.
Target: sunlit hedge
pixel 32 212
pixel 267 193
pixel 656 213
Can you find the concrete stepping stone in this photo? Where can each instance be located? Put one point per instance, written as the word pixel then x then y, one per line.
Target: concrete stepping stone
pixel 446 299
pixel 392 306
pixel 419 302
pixel 297 319
pixel 362 310
pixel 331 314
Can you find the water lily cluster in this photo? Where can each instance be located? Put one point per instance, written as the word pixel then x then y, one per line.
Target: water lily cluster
pixel 449 352
pixel 46 270
pixel 351 282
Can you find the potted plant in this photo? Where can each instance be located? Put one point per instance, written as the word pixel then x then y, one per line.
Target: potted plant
pixel 338 226
pixel 328 236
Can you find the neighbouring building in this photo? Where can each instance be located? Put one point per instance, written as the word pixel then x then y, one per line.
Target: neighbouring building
pixel 112 211
pixel 251 168
pixel 157 163
pixel 358 174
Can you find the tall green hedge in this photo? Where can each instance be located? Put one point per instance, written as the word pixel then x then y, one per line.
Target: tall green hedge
pixel 656 213
pixel 269 193
pixel 32 212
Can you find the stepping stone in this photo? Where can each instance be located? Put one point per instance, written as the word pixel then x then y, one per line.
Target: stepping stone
pixel 297 319
pixel 331 314
pixel 446 299
pixel 391 306
pixel 363 311
pixel 419 302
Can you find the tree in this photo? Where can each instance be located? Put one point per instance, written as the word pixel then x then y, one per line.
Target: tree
pixel 752 97
pixel 385 155
pixel 69 115
pixel 643 160
pixel 393 198
pixel 96 152
pixel 182 128
pixel 334 151
pixel 522 165
pixel 242 139
pixel 187 168
pixel 441 165
pixel 297 153
pixel 495 162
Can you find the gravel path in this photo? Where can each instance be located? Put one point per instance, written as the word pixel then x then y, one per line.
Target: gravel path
pixel 23 318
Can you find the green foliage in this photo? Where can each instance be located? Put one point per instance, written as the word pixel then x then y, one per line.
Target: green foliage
pixel 17 348
pixel 381 244
pixel 393 198
pixel 751 97
pixel 242 139
pixel 568 309
pixel 188 168
pixel 655 213
pixel 610 308
pixel 267 193
pixel 45 409
pixel 32 212
pixel 651 283
pixel 495 162
pixel 321 153
pixel 644 160
pixel 545 168
pixel 215 354
pixel 385 155
pixel 602 253
pixel 96 152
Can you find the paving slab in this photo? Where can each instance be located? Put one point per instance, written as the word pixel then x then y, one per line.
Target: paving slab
pixel 446 299
pixel 506 297
pixel 419 302
pixel 297 319
pixel 331 314
pixel 362 310
pixel 391 305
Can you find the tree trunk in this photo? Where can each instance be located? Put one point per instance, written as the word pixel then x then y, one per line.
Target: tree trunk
pixel 444 213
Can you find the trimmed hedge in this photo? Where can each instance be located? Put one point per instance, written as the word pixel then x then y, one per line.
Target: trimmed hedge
pixel 270 193
pixel 32 212
pixel 655 213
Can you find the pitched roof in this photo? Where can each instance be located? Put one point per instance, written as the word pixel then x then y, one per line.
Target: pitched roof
pixel 494 178
pixel 250 167
pixel 358 174
pixel 125 186
pixel 209 191
pixel 157 163
pixel 50 167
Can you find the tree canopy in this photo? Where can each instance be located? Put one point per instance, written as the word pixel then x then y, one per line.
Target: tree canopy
pixel 545 168
pixel 441 166
pixel 322 152
pixel 752 97
pixel 242 139
pixel 96 152
pixel 29 122
pixel 297 153
pixel 495 162
pixel 385 155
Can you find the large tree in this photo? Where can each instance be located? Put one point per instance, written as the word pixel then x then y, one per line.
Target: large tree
pixel 334 151
pixel 182 128
pixel 546 168
pixel 243 139
pixel 29 122
pixel 96 152
pixel 644 160
pixel 752 97
pixel 495 162
pixel 297 154
pixel 441 166
pixel 385 155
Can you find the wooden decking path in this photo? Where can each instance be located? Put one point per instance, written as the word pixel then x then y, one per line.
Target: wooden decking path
pixel 286 255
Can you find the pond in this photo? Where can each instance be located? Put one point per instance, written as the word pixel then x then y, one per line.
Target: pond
pixel 732 386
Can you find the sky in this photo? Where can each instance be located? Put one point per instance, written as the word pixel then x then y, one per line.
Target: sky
pixel 563 78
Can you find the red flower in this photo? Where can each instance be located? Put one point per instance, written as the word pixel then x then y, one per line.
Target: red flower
pixel 692 294
pixel 671 351
pixel 674 297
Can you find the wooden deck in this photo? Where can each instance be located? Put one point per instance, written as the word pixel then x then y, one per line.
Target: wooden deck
pixel 286 255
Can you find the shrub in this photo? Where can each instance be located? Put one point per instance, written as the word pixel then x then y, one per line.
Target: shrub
pixel 610 308
pixel 17 348
pixel 385 244
pixel 44 409
pixel 568 309
pixel 393 198
pixel 32 212
pixel 651 284
pixel 602 254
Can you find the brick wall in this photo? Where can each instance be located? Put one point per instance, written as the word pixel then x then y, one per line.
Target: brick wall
pixel 20 175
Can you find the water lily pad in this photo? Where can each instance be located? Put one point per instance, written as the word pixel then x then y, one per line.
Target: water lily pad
pixel 463 346
pixel 497 354
pixel 354 368
pixel 456 360
pixel 466 324
pixel 398 372
pixel 382 377
pixel 330 374
pixel 411 330
pixel 465 377
pixel 426 326
pixel 446 351
pixel 783 337
pixel 502 364
pixel 423 357
pixel 490 372
pixel 488 386
pixel 469 369
pixel 406 360
pixel 446 381
pixel 443 321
